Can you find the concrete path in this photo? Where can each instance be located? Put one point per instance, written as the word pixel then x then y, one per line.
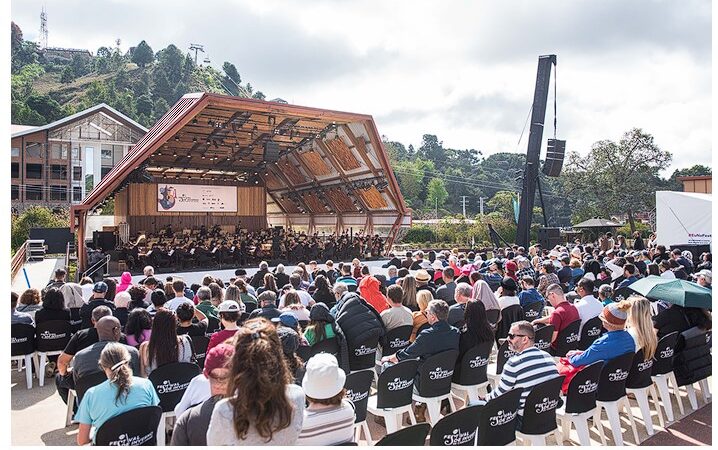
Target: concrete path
pixel 39 273
pixel 694 429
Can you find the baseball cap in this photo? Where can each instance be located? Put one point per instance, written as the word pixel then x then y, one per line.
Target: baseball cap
pixel 100 287
pixel 287 319
pixel 217 357
pixel 706 273
pixel 228 306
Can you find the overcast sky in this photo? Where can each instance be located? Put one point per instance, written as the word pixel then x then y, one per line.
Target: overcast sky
pixel 463 70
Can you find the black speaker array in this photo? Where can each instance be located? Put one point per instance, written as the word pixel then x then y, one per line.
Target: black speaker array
pixel 271 151
pixel 554 158
pixel 107 240
pixel 549 237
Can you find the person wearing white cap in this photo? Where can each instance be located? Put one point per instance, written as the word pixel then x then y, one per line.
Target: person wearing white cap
pixel 229 312
pixel 704 278
pixel 329 416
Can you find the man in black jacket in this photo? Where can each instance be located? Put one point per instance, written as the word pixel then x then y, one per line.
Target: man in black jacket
pixel 258 278
pixel 358 320
pixel 98 299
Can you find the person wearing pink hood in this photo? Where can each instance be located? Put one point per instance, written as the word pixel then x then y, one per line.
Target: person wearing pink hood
pixel 369 291
pixel 125 282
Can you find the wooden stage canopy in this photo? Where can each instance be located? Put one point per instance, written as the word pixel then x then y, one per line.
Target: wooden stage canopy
pixel 293 166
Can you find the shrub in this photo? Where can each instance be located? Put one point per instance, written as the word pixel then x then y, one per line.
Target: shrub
pixel 419 234
pixel 34 217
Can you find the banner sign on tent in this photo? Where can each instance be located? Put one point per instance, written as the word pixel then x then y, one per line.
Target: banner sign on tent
pixel 683 218
pixel 196 198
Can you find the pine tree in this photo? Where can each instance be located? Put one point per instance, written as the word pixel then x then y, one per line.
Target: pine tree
pixel 143 54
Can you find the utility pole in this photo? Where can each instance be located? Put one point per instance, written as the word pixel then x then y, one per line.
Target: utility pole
pixel 437 208
pixel 196 47
pixel 481 204
pixel 43 29
pixel 463 204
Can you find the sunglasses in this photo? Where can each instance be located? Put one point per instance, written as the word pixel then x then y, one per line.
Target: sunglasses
pixel 511 335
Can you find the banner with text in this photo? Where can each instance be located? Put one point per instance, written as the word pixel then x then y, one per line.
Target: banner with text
pixel 196 198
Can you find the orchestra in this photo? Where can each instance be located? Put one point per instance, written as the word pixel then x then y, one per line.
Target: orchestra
pixel 217 247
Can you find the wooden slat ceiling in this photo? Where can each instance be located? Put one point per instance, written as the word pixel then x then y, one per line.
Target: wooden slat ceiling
pixel 223 138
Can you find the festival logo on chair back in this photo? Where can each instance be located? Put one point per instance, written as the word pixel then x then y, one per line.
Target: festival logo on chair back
pixel 457 437
pixel 356 396
pixel 398 384
pixel 618 375
pixel 364 350
pixel 502 417
pixel 439 373
pixel 125 439
pixel 478 362
pixel 587 387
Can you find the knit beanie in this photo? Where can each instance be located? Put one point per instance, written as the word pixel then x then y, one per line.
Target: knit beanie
pixel 614 314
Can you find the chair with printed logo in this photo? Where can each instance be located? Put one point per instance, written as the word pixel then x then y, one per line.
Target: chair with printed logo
pixel 435 383
pixel 330 345
pixel 509 315
pixel 497 419
pixel 304 352
pixel 567 339
pixel 694 363
pixel 532 311
pixel 639 384
pixel 199 347
pixel 22 349
pixel 580 403
pixel 539 417
pixel 170 382
pixel 456 429
pixel 51 338
pixel 362 355
pixel 394 392
pixel 358 385
pixel 611 396
pixel 412 436
pixel 543 336
pixel 135 427
pixel 492 315
pixel 470 380
pixel 396 339
pixel 591 330
pixel 662 373
pixel 494 369
pixel 213 325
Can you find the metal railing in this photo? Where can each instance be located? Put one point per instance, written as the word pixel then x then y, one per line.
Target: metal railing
pixel 95 267
pixel 18 260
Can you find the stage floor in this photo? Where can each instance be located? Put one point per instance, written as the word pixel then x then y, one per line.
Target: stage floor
pixel 225 274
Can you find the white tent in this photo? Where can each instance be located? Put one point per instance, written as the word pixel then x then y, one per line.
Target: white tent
pixel 683 218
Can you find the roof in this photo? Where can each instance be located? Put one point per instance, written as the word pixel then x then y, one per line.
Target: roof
pixel 19 128
pixel 597 223
pixel 327 162
pixel 87 112
pixel 695 177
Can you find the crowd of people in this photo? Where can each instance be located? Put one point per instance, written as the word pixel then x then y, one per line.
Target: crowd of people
pixel 255 389
pixel 207 248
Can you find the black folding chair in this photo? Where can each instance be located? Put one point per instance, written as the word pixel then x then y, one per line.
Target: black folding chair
pixel 358 385
pixel 539 418
pixel 135 427
pixel 611 395
pixel 412 436
pixel 623 293
pixel 51 339
pixel 492 315
pixel 435 382
pixel 75 320
pixel 470 380
pixel 397 339
pixel 509 315
pixel 662 373
pixel 394 393
pixel 170 382
pixel 497 419
pixel 591 330
pixel 330 345
pixel 567 339
pixel 199 346
pixel 494 369
pixel 213 325
pixel 580 403
pixel 532 311
pixel 456 429
pixel 543 336
pixel 304 352
pixel 22 349
pixel 82 384
pixel 639 383
pixel 362 355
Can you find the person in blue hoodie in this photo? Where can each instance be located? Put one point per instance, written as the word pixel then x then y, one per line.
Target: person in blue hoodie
pixel 529 294
pixel 616 342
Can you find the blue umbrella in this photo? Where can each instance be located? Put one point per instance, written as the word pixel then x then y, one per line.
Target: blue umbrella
pixel 678 292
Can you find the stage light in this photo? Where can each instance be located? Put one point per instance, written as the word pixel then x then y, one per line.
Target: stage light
pixel 177 138
pixel 194 139
pixel 194 121
pixel 203 157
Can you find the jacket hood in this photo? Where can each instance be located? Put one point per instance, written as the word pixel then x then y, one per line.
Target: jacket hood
pixel 126 278
pixel 320 312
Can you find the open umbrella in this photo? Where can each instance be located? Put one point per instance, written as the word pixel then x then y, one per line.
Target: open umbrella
pixel 675 291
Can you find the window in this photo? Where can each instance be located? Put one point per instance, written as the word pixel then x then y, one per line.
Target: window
pixel 15 170
pixel 33 171
pixel 58 151
pixel 15 152
pixel 106 154
pixel 33 150
pixel 14 192
pixel 33 192
pixel 77 173
pixel 76 153
pixel 58 172
pixel 58 193
pixel 104 171
pixel 76 194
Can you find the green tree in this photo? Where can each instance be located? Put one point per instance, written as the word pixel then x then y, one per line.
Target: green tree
pixel 171 60
pixel 161 107
pixel 618 176
pixel 34 217
pixel 231 71
pixel 68 75
pixel 259 95
pixel 436 193
pixel 45 106
pixel 143 55
pixel 502 204
pixel 144 104
pixel 161 86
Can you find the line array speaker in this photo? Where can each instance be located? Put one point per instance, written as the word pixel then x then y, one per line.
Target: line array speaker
pixel 271 151
pixel 554 157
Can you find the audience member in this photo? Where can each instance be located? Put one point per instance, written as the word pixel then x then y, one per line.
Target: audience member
pixel 268 306
pixel 228 317
pixel 587 306
pixel 398 315
pixel 563 314
pixel 122 303
pixel 164 346
pixel 369 291
pixel 616 342
pixel 185 313
pixel 506 293
pixel 139 327
pixel 462 295
pixel 53 307
pixel 98 299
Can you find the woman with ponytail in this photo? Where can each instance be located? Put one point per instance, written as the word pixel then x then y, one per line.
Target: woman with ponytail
pixel 640 326
pixel 263 406
pixel 121 392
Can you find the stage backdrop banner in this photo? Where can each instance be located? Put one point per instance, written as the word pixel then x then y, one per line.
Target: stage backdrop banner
pixel 196 198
